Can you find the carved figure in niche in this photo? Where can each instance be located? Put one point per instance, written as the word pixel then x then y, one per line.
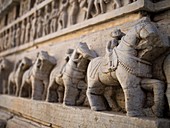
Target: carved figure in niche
pixel 6 40
pixel 100 6
pixel 13 36
pixel 54 17
pixel 18 35
pixel 5 69
pixel 116 35
pixel 33 27
pixel 15 77
pixel 46 21
pixel 83 5
pixel 55 92
pixel 10 38
pixel 39 24
pixel 28 30
pixel 89 9
pixel 133 71
pixel 24 7
pixel 74 11
pixel 23 31
pixel 35 79
pixel 63 18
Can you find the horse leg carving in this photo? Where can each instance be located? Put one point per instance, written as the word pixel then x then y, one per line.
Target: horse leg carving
pixel 25 90
pixel 17 90
pixel 60 92
pixel 158 88
pixel 11 88
pixel 37 89
pixel 134 96
pixel 71 92
pixel 45 87
pixel 112 102
pixel 82 86
pixel 95 92
pixel 51 92
pixel 18 86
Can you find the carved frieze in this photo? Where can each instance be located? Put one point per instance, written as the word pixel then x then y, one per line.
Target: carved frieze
pixel 126 72
pixel 57 15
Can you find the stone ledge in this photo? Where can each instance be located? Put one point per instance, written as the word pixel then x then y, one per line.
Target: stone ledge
pixel 57 115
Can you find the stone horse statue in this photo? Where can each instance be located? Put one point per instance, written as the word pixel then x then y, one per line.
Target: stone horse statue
pixel 15 77
pixel 133 72
pixel 71 85
pixel 35 79
pixel 5 69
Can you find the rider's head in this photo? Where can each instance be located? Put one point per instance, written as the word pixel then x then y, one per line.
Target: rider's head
pixel 117 33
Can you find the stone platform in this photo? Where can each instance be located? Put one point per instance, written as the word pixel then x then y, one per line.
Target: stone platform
pixel 25 111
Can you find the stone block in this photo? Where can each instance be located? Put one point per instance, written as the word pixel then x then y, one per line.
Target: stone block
pixel 57 115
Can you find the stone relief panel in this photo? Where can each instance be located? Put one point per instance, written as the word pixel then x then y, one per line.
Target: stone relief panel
pixel 54 16
pixel 127 65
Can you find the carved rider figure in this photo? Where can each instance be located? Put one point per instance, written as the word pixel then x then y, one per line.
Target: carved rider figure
pixel 116 35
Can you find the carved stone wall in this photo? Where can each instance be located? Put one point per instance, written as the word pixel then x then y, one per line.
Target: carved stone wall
pixel 61 38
